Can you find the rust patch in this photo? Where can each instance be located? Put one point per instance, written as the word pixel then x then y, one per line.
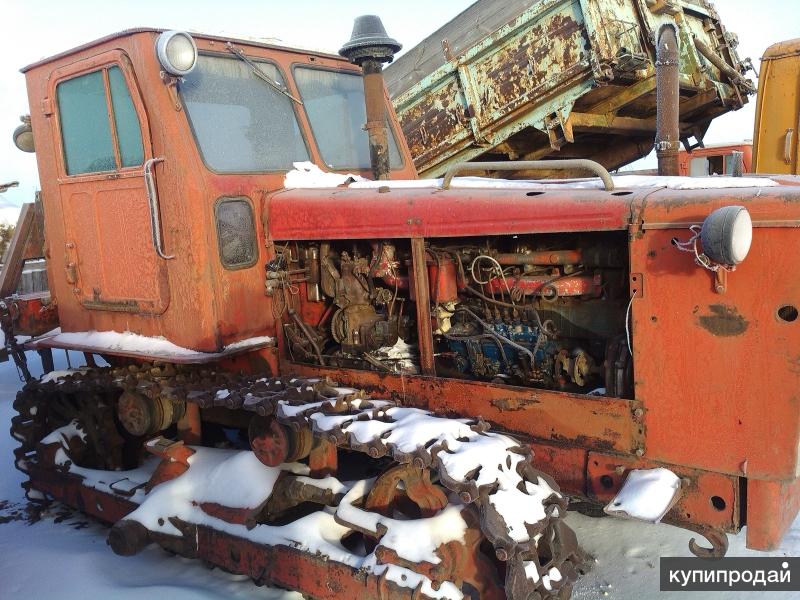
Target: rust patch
pixel 511 404
pixel 724 321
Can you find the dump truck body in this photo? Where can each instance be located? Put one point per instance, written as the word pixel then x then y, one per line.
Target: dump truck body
pixel 558 79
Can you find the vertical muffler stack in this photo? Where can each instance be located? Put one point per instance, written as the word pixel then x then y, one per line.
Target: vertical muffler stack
pixel 370 47
pixel 667 101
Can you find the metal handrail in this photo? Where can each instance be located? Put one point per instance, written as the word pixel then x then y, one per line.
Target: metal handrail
pixel 531 165
pixel 155 211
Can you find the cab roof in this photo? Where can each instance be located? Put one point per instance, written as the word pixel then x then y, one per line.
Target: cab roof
pixel 136 30
pixel 782 49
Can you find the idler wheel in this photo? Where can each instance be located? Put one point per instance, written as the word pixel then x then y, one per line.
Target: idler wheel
pixel 128 537
pixel 141 415
pixel 275 444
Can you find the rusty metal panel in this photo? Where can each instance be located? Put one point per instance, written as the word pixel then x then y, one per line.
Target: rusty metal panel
pixel 737 348
pixel 557 78
pixel 604 424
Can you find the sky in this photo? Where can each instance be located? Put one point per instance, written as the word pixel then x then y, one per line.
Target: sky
pixel 34 29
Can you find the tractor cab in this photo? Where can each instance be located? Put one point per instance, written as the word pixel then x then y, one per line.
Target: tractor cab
pixel 156 150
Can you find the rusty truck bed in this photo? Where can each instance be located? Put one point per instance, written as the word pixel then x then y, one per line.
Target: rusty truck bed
pixel 559 78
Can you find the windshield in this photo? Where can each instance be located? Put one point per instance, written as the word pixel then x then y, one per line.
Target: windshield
pixel 241 124
pixel 334 103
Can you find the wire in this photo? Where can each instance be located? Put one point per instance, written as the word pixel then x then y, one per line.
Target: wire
pixel 490 330
pixel 529 307
pixel 628 321
pixel 499 270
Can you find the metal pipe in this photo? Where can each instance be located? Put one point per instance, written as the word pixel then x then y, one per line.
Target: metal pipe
pixel 304 328
pixel 715 59
pixel 423 302
pixel 531 165
pixel 370 47
pixel 377 129
pixel 667 143
pixel 542 257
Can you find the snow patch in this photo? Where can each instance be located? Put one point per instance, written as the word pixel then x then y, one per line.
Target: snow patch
pixel 401 355
pixel 414 540
pixel 133 342
pixel 308 175
pixel 646 495
pixel 63 434
pixel 54 375
pixel 227 477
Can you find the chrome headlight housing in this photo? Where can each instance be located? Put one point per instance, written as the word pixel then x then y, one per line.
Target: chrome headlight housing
pixel 176 52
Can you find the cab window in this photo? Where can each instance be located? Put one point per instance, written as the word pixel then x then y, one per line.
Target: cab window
pixel 94 110
pixel 334 103
pixel 240 122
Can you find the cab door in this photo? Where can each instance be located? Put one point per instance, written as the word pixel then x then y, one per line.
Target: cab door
pixel 777 123
pixel 102 131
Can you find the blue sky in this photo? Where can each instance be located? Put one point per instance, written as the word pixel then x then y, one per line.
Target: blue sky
pixel 37 28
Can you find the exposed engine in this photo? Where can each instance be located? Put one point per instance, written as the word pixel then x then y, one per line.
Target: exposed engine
pixel 540 311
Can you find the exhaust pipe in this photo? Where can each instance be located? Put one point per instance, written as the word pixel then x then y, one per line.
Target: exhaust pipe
pixel 369 47
pixel 667 101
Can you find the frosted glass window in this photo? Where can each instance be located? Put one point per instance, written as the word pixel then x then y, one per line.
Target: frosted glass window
pixel 334 103
pixel 85 126
pixel 240 122
pixel 129 133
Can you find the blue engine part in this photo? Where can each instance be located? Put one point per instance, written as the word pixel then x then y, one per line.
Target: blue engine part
pixel 481 354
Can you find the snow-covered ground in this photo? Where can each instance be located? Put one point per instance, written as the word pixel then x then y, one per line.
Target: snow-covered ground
pixel 64 554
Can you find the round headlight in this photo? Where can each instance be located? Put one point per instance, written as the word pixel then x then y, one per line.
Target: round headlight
pixel 727 234
pixel 177 52
pixel 23 138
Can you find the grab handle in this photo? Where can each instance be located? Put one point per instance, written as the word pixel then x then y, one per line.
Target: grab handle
pixel 531 165
pixel 155 211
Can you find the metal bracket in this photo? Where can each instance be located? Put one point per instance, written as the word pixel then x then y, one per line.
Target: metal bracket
pixel 155 211
pixel 637 285
pixel 721 281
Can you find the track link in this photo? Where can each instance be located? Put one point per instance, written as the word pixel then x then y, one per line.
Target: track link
pixel 520 509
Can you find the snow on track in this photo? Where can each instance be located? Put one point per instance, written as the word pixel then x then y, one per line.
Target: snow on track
pixel 70 560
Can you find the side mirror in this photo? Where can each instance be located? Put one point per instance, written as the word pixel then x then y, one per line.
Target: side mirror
pixel 726 235
pixel 23 135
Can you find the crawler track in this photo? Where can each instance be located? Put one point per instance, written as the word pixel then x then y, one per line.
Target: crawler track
pixel 487 476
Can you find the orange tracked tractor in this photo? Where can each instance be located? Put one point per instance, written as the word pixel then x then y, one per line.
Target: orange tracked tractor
pixel 332 377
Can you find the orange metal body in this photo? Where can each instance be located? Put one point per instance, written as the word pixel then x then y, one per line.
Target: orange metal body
pixel 776 134
pixel 98 226
pixel 714 159
pixel 716 376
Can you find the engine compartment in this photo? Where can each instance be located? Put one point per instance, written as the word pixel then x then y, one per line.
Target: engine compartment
pixel 545 311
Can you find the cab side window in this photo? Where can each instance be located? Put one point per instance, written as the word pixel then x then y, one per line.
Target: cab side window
pixel 99 127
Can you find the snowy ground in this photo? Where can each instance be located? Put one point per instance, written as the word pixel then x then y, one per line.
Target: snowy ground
pixel 64 554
